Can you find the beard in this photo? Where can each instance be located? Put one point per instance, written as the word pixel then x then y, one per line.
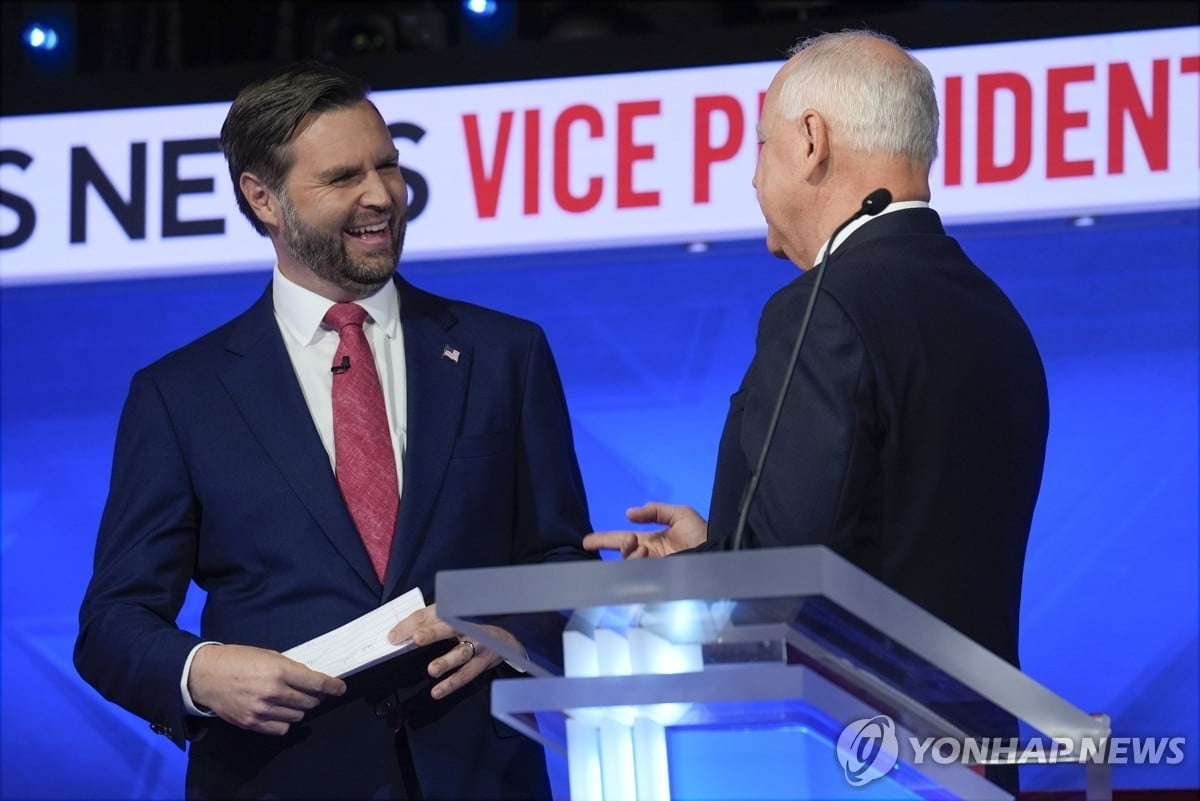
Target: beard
pixel 325 254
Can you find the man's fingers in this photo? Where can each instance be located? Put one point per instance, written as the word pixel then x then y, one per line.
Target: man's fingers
pixel 467 661
pixel 629 544
pixel 300 699
pixel 435 632
pixel 454 659
pixel 268 718
pixel 282 713
pixel 652 512
pixel 630 547
pixel 257 689
pixel 470 671
pixel 609 540
pixel 404 629
pixel 311 683
pixel 272 727
pixel 422 627
pixel 315 685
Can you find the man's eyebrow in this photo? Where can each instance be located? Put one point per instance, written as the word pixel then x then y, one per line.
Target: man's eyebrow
pixel 337 171
pixel 340 170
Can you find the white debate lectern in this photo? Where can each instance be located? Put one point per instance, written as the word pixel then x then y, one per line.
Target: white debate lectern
pixel 879 698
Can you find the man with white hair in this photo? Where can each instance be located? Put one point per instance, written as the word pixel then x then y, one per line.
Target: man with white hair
pixel 912 434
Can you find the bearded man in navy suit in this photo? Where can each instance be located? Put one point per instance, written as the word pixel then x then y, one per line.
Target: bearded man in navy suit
pixel 224 474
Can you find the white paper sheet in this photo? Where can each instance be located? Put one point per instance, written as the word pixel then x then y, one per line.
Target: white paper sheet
pixel 362 642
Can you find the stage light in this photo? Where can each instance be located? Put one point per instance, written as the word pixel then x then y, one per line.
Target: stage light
pixel 41 38
pixel 47 40
pixel 480 8
pixel 487 23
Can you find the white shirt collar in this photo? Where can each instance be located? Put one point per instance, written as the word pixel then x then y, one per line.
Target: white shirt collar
pixel 901 205
pixel 300 310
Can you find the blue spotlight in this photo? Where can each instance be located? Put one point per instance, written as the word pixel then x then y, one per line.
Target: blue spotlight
pixel 480 8
pixel 41 38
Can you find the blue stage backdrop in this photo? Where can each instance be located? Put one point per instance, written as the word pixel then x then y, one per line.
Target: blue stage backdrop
pixel 651 343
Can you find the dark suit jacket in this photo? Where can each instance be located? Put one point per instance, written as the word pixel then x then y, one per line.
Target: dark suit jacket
pixel 914 431
pixel 219 477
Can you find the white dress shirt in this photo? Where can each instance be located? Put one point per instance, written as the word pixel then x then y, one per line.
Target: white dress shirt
pixel 899 205
pixel 311 345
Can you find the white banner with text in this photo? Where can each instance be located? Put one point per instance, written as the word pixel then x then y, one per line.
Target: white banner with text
pixel 1037 129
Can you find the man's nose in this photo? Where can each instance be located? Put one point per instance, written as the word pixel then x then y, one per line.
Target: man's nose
pixel 376 194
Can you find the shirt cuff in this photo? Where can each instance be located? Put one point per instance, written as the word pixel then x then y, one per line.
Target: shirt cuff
pixel 188 705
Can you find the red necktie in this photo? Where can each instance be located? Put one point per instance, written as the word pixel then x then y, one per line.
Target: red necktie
pixel 362 441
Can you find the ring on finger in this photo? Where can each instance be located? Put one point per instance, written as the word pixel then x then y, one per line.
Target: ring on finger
pixel 470 645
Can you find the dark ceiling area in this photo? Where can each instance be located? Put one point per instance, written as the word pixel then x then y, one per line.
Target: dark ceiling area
pixel 129 53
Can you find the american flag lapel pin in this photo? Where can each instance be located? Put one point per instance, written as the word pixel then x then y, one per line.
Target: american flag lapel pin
pixel 450 353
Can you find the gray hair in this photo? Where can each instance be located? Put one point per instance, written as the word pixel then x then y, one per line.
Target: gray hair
pixel 879 105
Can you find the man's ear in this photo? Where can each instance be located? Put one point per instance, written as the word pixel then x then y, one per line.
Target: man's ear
pixel 261 199
pixel 814 138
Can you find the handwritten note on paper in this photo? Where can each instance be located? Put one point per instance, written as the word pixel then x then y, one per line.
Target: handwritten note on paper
pixel 362 642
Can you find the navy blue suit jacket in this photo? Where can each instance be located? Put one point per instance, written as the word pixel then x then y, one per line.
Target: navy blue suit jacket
pixel 220 477
pixel 914 430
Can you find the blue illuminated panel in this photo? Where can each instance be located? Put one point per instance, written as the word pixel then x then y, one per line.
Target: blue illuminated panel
pixel 651 343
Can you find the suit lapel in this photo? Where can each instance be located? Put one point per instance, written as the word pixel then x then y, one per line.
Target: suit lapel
pixel 438 366
pixel 264 388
